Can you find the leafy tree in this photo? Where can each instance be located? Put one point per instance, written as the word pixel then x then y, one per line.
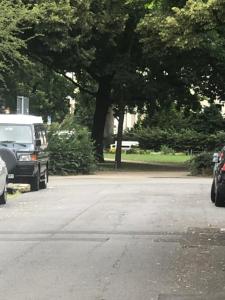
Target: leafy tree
pixel 209 120
pixel 199 24
pixel 99 43
pixel 12 40
pixel 92 39
pixel 194 34
pixel 48 91
pixel 166 117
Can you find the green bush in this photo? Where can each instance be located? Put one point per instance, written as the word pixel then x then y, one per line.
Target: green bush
pixel 185 140
pixel 133 150
pixel 70 150
pixel 201 164
pixel 166 150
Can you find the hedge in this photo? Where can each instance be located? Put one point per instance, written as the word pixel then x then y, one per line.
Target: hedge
pixel 182 141
pixel 70 151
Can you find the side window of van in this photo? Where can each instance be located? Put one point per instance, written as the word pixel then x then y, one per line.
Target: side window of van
pixel 37 132
pixel 44 136
pixel 40 134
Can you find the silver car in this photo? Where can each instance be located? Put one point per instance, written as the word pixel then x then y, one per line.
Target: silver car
pixel 7 163
pixel 3 181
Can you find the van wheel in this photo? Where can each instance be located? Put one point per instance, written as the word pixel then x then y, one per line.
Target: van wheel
pixel 35 182
pixel 3 197
pixel 44 182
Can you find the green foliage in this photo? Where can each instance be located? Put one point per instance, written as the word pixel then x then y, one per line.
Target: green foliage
pixel 208 120
pixel 102 41
pixel 199 24
pixel 185 140
pixel 171 116
pixel 48 91
pixel 201 164
pixel 164 149
pixel 96 40
pixel 71 150
pixel 12 39
pixel 192 36
pixel 133 150
pixel 84 110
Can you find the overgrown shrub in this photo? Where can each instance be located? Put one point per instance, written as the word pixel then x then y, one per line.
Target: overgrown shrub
pixel 71 150
pixel 201 164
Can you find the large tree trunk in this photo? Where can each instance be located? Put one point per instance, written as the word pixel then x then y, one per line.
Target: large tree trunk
pixel 102 105
pixel 119 137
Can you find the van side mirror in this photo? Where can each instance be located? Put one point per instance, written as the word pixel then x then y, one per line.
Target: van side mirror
pixel 38 143
pixel 216 157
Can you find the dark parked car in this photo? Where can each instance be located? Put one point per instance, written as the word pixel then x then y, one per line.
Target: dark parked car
pixel 218 184
pixel 25 136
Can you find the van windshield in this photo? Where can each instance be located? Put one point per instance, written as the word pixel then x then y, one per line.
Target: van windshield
pixel 16 133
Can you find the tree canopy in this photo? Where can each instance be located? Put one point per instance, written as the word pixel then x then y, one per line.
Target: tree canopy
pixel 48 92
pixel 145 54
pixel 194 35
pixel 14 19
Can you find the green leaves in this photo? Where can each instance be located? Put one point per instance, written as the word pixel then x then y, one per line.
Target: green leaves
pixel 199 24
pixel 14 19
pixel 71 150
pixel 10 45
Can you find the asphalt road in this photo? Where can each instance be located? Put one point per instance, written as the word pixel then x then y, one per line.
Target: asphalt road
pixel 149 236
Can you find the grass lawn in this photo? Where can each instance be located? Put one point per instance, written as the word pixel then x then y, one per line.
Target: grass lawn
pixel 152 158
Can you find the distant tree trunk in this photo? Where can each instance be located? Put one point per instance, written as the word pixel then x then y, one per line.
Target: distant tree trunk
pixel 119 136
pixel 101 109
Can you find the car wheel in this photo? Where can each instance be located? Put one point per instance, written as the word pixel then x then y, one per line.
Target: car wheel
pixel 220 195
pixel 44 182
pixel 213 193
pixel 35 182
pixel 3 197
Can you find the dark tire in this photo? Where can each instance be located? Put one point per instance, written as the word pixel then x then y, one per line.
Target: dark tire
pixel 3 197
pixel 35 182
pixel 44 180
pixel 220 195
pixel 213 192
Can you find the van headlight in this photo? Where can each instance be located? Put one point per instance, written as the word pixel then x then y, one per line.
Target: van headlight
pixel 25 157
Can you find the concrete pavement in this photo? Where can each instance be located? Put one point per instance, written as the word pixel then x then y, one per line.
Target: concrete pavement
pixel 139 236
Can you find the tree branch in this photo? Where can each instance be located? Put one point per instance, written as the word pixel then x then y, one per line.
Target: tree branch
pixel 83 89
pixel 44 62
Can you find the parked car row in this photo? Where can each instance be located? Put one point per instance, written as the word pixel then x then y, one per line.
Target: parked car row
pixel 23 152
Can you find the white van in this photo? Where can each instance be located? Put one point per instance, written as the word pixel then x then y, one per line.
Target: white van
pixel 25 136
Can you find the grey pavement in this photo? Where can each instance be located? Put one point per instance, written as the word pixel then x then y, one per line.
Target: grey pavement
pixel 140 236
